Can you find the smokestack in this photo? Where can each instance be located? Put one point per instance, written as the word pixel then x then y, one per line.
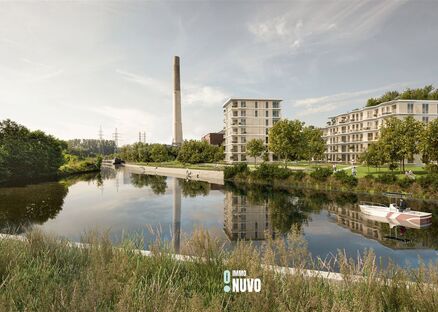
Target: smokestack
pixel 177 125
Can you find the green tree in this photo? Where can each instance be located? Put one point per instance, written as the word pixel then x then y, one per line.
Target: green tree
pixel 194 152
pixel 374 155
pixel 158 153
pixel 286 139
pixel 26 154
pixel 255 148
pixel 401 139
pixel 314 146
pixel 429 142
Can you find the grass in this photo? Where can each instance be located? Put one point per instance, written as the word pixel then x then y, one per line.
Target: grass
pixel 79 166
pixel 44 274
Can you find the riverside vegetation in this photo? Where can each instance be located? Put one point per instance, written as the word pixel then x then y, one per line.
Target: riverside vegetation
pixel 45 274
pixel 323 178
pixel 33 155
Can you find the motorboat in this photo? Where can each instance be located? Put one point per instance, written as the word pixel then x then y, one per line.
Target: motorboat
pixel 396 215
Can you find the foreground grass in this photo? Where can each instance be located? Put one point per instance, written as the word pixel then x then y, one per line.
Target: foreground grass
pixel 47 275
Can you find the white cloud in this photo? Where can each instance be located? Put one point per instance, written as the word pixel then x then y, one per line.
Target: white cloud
pixel 305 24
pixel 203 96
pixel 327 103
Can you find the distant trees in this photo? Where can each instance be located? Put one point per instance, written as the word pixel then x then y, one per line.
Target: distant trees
pixel 375 155
pixel 426 93
pixel 90 147
pixel 26 154
pixel 194 152
pixel 255 148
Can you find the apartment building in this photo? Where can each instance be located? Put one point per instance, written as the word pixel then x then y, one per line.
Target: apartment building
pixel 348 135
pixel 247 119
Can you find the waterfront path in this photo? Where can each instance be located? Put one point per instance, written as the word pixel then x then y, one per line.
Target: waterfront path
pixel 211 176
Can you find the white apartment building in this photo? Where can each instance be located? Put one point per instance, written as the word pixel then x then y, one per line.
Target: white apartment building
pixel 247 119
pixel 348 135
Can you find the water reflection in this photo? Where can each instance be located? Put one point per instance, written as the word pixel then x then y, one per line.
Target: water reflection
pixel 126 202
pixel 22 207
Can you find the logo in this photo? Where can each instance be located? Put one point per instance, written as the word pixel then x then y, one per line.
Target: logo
pixel 237 282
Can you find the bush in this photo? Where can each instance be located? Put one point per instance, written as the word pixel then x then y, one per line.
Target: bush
pixel 270 171
pixel 321 173
pixel 432 168
pixel 345 178
pixel 369 177
pixel 387 178
pixel 405 182
pixel 231 171
pixel 298 175
pixel 428 180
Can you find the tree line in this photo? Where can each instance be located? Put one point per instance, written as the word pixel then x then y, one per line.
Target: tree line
pixel 90 147
pixel 426 93
pixel 401 140
pixel 191 152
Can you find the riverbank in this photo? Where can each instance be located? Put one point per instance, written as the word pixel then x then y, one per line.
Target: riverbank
pixel 44 274
pixel 188 172
pixel 323 179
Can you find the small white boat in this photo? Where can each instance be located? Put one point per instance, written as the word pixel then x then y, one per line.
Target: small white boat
pixel 394 215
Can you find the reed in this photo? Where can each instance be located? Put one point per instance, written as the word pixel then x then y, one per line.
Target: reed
pixel 47 274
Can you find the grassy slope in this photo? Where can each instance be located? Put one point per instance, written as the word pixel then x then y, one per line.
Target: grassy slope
pixel 45 275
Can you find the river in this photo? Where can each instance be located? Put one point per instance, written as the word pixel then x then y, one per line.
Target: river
pixel 125 204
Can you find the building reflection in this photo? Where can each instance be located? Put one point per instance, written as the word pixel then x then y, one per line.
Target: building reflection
pixel 393 235
pixel 246 220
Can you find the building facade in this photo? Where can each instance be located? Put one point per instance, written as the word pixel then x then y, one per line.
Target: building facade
pixel 247 119
pixel 214 138
pixel 348 135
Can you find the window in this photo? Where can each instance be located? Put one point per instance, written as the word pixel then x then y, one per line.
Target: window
pixel 243 139
pixel 243 104
pixel 256 113
pixel 243 157
pixel 243 149
pixel 425 119
pixel 267 131
pixel 234 114
pixel 267 122
pixel 275 105
pixel 242 113
pixel 410 108
pixel 425 108
pixel 234 104
pixel 266 140
pixel 256 105
pixel 267 104
pixel 267 113
pixel 276 113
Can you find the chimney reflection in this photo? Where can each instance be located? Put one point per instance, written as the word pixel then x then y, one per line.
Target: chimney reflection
pixel 176 221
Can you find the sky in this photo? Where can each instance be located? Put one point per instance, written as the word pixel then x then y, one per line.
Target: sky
pixel 70 67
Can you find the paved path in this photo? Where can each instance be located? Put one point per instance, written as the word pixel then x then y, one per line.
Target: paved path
pixel 211 176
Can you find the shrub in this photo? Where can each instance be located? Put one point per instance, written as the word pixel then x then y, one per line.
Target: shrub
pixel 270 171
pixel 231 171
pixel 405 182
pixel 345 178
pixel 321 173
pixel 428 180
pixel 432 168
pixel 298 175
pixel 369 177
pixel 387 178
